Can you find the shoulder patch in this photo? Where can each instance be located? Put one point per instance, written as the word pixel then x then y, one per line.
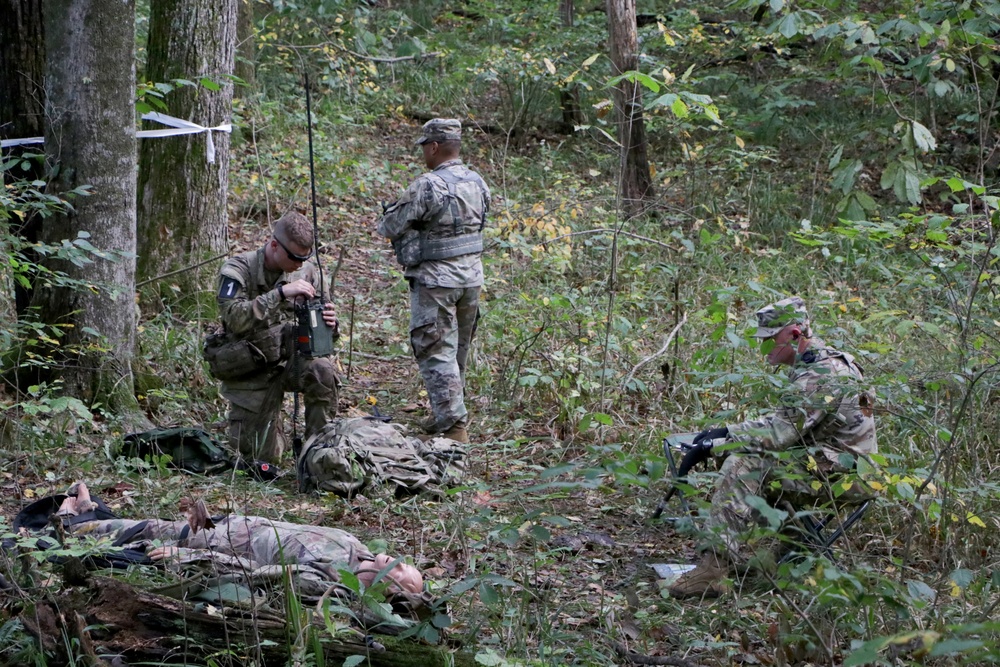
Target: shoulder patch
pixel 229 287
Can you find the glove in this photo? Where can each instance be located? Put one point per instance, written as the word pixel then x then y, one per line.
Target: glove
pixel 711 434
pixel 697 454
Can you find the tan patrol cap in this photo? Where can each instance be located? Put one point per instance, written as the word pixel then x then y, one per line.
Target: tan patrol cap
pixel 775 317
pixel 441 129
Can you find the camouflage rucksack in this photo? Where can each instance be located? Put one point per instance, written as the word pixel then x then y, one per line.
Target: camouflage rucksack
pixel 353 452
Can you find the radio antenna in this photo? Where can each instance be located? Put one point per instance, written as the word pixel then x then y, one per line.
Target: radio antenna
pixel 312 182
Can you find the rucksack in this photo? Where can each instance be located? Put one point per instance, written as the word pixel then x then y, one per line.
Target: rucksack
pixel 190 449
pixel 351 453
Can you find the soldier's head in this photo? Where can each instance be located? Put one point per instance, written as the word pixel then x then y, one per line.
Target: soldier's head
pixel 291 243
pixel 403 577
pixel 783 328
pixel 441 140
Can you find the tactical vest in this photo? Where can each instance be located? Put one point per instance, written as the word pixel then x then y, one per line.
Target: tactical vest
pixel 455 240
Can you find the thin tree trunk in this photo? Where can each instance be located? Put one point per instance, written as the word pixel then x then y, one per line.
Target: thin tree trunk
pixel 22 70
pixel 566 12
pixel 246 50
pixel 636 184
pixel 182 197
pixel 90 141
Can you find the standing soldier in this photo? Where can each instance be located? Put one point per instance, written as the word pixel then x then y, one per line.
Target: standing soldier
pixel 255 356
pixel 436 229
pixel 823 426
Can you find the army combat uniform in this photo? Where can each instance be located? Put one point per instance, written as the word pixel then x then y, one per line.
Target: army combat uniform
pixel 827 421
pixel 248 544
pixel 436 231
pixel 252 310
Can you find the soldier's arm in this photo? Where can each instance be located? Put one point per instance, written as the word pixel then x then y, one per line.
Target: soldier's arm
pixel 239 314
pixel 790 423
pixel 409 210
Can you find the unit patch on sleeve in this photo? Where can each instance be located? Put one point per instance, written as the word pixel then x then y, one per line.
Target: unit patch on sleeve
pixel 229 288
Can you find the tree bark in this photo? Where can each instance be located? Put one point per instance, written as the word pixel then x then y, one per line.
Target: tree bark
pixel 246 50
pixel 146 628
pixel 635 183
pixel 22 71
pixel 182 198
pixel 90 140
pixel 566 12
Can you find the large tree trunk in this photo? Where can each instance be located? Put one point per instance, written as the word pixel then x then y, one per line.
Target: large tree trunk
pixel 22 71
pixel 90 141
pixel 182 198
pixel 635 183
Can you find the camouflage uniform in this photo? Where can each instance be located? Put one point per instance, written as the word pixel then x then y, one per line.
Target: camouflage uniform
pixel 825 423
pixel 252 545
pixel 444 293
pixel 251 308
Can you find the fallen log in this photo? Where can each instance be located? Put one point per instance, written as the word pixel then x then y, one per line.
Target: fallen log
pixel 142 627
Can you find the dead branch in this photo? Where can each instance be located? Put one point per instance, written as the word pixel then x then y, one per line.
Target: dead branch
pixel 663 349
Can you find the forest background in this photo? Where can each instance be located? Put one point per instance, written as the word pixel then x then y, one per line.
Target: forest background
pixel 659 172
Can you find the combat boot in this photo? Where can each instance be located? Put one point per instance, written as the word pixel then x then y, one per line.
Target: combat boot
pixel 457 432
pixel 706 580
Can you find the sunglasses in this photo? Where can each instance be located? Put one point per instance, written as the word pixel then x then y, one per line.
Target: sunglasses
pixel 292 255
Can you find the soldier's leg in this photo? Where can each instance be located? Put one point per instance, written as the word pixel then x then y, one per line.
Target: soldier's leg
pixel 319 392
pixel 730 517
pixel 255 427
pixel 434 339
pixel 467 313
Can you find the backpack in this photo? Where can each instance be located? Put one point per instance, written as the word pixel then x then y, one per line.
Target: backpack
pixel 189 449
pixel 351 453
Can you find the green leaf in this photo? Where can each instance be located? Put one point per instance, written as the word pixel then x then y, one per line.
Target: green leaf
pixel 953 646
pixel 208 83
pixel 489 658
pixel 488 594
pixel 679 108
pixel 774 517
pixel 790 25
pixel 867 653
pixel 920 591
pixel 354 660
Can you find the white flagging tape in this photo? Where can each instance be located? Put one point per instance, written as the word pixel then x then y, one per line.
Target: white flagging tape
pixel 177 126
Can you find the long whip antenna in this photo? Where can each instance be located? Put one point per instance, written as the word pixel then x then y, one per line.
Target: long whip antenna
pixel 312 182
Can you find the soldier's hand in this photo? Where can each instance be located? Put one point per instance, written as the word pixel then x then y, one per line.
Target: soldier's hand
pixel 330 315
pixel 299 288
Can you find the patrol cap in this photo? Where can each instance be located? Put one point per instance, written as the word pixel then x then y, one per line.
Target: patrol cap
pixel 441 129
pixel 775 317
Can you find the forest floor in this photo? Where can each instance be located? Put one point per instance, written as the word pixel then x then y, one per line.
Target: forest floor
pixel 574 556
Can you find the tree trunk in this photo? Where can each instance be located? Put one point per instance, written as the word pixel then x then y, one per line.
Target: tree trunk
pixel 22 71
pixel 145 628
pixel 182 198
pixel 569 96
pixel 90 141
pixel 566 12
pixel 246 50
pixel 635 183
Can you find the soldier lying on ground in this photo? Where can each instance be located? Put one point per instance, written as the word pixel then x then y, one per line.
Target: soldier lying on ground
pixel 255 548
pixel 824 425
